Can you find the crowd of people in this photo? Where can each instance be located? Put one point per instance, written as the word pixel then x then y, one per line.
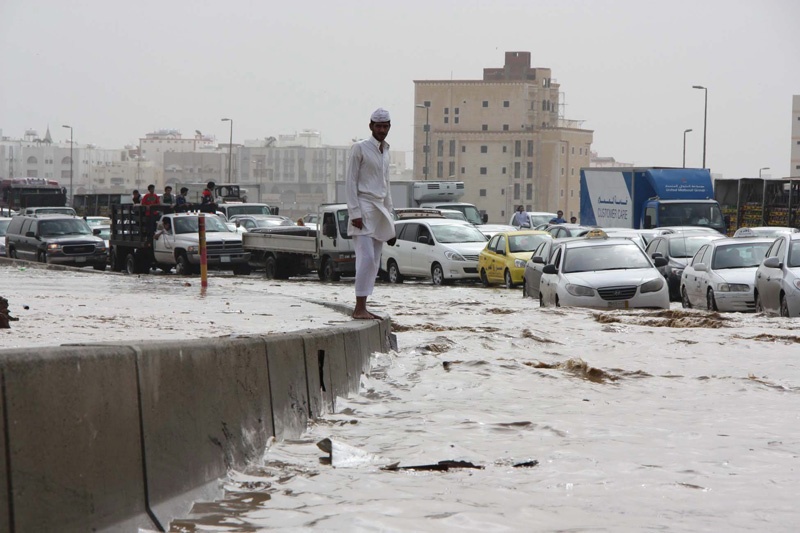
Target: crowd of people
pixel 179 201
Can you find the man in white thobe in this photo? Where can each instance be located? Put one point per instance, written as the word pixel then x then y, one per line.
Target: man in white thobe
pixel 369 206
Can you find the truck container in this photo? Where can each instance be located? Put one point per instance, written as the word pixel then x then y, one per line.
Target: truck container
pixel 286 251
pixel 431 194
pixel 649 197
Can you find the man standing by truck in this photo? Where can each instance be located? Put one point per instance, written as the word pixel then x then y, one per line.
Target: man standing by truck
pixel 369 206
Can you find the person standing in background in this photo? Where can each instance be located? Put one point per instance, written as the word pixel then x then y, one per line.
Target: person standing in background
pixel 521 218
pixel 137 198
pixel 167 197
pixel 151 198
pixel 369 206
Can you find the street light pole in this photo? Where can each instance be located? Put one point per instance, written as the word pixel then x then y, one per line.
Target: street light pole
pixel 427 141
pixel 230 149
pixel 760 169
pixel 70 161
pixel 684 147
pixel 705 119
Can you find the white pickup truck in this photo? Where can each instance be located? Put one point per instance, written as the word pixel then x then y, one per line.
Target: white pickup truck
pixel 287 251
pixel 145 237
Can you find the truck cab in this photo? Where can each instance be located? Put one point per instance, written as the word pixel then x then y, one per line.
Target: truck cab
pixel 659 213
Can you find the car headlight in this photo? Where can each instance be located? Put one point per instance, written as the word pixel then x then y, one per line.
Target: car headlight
pixel 454 256
pixel 519 263
pixel 53 246
pixel 579 290
pixel 100 247
pixel 676 271
pixel 191 249
pixel 797 283
pixel 733 287
pixel 654 285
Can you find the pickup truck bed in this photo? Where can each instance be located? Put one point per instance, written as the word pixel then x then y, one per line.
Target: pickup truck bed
pixel 291 239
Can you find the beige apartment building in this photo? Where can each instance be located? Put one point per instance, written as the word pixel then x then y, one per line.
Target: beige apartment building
pixel 504 137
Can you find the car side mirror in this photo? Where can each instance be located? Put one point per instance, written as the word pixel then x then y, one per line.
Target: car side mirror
pixel 550 269
pixel 96 231
pixel 500 252
pixel 538 259
pixel 656 255
pixel 701 267
pixel 660 262
pixel 772 262
pixel 329 230
pixel 30 234
pixel 423 239
pixel 485 218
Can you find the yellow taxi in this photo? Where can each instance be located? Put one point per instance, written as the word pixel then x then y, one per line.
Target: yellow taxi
pixel 503 259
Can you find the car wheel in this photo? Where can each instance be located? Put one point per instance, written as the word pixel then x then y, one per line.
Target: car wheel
pixel 759 304
pixel 784 306
pixel 270 267
pixel 328 272
pixel 484 278
pixel 183 267
pixel 12 253
pixel 685 299
pixel 524 288
pixel 508 281
pixel 711 302
pixel 130 263
pixel 541 301
pixel 242 269
pixel 437 274
pixel 558 303
pixel 394 272
pixel 42 257
pixel 99 266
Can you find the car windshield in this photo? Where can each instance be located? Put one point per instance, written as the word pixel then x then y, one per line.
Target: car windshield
pixel 691 214
pixel 687 245
pixel 98 221
pixel 454 215
pixel 457 233
pixel 105 232
pixel 4 226
pixel 744 255
pixel 234 210
pixel 524 243
pixel 537 220
pixel 471 213
pixel 189 225
pixel 608 257
pixel 269 222
pixel 52 228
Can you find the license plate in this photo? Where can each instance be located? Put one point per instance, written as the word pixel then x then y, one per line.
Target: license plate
pixel 619 304
pixel 80 259
pixel 225 258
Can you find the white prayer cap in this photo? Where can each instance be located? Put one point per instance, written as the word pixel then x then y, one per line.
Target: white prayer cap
pixel 380 115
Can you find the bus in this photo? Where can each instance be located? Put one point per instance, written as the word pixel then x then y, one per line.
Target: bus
pixel 98 204
pixel 17 193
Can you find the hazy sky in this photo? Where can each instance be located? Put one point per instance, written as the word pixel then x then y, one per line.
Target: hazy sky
pixel 117 70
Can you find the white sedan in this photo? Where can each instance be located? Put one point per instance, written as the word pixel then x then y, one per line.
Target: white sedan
pixel 436 248
pixel 604 273
pixel 778 278
pixel 720 276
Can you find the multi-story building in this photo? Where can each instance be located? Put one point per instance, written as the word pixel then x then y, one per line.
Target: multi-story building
pixel 503 136
pixel 154 145
pixel 93 169
pixel 794 164
pixel 599 161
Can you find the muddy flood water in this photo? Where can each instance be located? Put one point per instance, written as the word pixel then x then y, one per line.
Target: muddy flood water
pixel 528 419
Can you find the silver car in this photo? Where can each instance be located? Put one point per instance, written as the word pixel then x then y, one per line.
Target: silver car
pixel 720 276
pixel 778 278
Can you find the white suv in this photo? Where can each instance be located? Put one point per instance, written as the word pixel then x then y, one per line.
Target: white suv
pixel 437 248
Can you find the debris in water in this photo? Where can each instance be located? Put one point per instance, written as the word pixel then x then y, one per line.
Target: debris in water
pixel 441 466
pixel 528 334
pixel 527 464
pixel 578 367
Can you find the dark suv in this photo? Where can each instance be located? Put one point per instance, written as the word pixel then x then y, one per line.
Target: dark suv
pixel 57 239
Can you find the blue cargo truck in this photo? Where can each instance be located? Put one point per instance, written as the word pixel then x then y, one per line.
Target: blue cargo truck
pixel 644 198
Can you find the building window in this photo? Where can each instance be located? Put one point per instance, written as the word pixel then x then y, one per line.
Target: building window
pixel 529 192
pixel 530 170
pixel 572 193
pixel 516 191
pixel 502 192
pixel 530 148
pixel 455 120
pixel 504 170
pixel 439 169
pixel 573 150
pixel 484 127
pixel 562 193
pixel 505 127
pixel 483 171
pixel 486 103
pixel 517 148
pixel 572 171
pixel 482 192
pixel 446 110
pixel 463 148
pixel 562 149
pixel 455 111
pixel 484 149
pixel 426 103
pixel 451 170
pixel 505 103
pixel 505 148
pixel 463 170
pixel 446 120
pixel 562 171
pixel 440 148
pixel 516 170
pixel 452 148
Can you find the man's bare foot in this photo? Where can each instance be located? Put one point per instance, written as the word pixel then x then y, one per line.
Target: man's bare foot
pixel 363 315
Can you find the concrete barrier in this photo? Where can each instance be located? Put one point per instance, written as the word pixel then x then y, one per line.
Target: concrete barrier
pixel 112 437
pixel 74 446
